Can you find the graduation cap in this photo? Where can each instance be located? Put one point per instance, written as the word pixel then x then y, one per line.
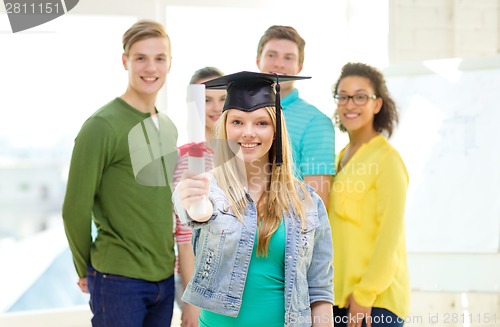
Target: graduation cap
pixel 249 91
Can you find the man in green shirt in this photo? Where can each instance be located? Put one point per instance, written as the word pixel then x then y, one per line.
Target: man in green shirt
pixel 121 168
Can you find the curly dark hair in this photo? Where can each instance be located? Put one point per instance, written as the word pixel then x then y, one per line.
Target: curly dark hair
pixel 387 118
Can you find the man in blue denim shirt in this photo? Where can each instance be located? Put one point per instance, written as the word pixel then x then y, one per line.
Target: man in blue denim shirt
pixel 264 243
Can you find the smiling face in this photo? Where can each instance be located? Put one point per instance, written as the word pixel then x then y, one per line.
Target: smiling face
pixel 214 102
pixel 280 56
pixel 250 135
pixel 147 63
pixel 357 118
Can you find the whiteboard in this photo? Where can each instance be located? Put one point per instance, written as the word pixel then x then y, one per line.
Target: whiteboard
pixel 449 138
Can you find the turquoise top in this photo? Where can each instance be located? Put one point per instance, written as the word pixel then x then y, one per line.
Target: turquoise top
pixel 263 302
pixel 312 137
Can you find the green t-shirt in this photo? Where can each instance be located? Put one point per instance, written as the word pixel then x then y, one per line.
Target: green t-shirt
pixel 119 175
pixel 263 302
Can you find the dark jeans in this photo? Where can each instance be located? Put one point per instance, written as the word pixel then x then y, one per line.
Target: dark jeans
pixel 380 318
pixel 118 301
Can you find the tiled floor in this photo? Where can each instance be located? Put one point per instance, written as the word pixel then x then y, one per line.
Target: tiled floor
pixel 176 319
pixel 450 309
pixel 428 309
pixel 441 309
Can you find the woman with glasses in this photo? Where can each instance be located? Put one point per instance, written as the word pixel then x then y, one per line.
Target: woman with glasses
pixel 367 203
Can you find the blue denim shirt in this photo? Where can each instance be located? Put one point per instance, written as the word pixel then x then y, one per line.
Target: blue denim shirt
pixel 217 285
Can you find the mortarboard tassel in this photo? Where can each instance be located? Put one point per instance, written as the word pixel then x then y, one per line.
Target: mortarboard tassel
pixel 279 154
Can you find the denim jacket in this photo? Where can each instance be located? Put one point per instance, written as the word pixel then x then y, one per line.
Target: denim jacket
pixel 217 285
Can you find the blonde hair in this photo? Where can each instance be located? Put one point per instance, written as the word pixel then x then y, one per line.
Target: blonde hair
pixel 284 192
pixel 141 30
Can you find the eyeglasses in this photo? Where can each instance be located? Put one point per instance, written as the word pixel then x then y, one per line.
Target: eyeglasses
pixel 358 99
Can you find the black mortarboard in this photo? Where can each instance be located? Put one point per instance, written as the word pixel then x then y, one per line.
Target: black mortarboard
pixel 249 91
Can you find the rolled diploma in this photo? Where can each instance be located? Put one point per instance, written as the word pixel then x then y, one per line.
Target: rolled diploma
pixel 196 134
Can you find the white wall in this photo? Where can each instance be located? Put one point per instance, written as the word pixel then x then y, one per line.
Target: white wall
pixel 448 137
pixel 429 29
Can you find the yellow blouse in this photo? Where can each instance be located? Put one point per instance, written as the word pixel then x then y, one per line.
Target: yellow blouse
pixel 366 212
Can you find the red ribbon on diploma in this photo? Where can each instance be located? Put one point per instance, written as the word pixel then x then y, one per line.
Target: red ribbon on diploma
pixel 193 149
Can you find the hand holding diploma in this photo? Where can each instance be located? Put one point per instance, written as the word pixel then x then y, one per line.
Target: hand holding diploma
pixel 193 189
pixel 193 193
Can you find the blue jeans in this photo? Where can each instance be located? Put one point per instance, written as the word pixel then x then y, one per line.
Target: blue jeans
pixel 380 318
pixel 118 301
